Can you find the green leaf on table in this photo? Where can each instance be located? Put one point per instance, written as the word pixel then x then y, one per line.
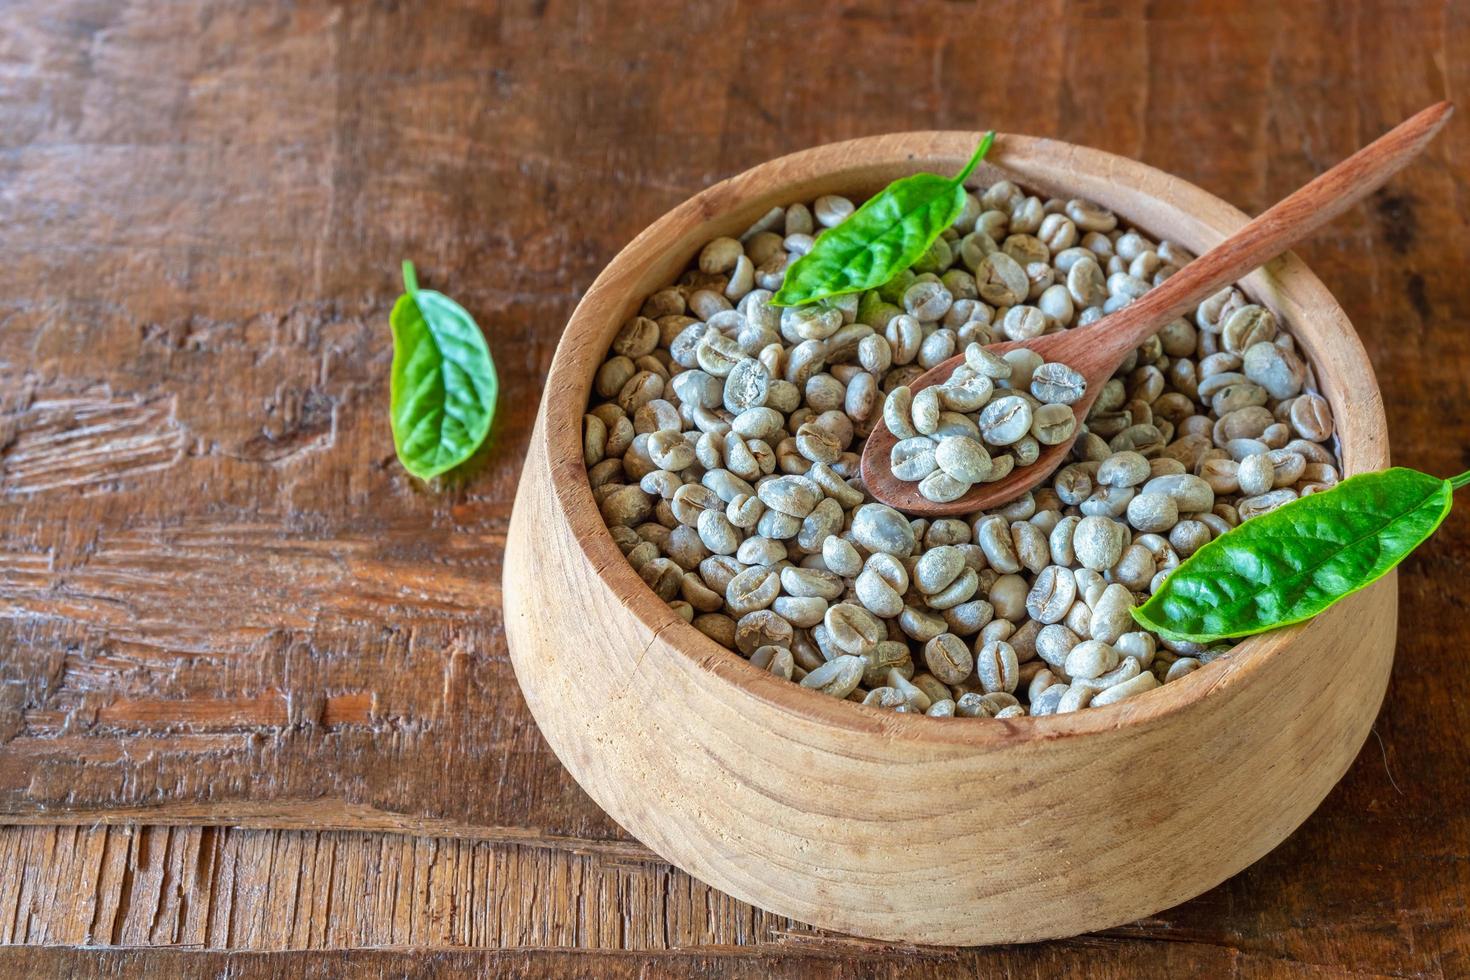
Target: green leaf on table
pixel 444 384
pixel 1291 563
pixel 880 239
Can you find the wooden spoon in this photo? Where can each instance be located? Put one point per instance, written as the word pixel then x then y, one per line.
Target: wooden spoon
pixel 1097 349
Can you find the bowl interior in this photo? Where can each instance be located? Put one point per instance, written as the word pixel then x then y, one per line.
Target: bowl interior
pixel 1156 203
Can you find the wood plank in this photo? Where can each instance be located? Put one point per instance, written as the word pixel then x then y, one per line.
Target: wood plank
pixel 227 888
pixel 1104 962
pixel 389 891
pixel 268 614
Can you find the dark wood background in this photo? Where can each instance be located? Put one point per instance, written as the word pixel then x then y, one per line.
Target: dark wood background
pixel 254 694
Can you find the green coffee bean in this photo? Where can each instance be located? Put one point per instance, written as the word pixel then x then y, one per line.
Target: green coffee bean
pixel 948 658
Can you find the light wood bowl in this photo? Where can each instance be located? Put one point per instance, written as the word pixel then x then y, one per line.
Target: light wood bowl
pixel 903 827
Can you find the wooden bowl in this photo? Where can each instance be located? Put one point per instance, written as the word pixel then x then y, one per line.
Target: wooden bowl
pixel 904 827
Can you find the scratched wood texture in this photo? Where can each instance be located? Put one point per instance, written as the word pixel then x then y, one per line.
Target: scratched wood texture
pixel 222 603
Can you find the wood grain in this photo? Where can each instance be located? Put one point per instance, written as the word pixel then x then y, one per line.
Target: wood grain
pixel 1103 960
pixel 438 896
pixel 203 206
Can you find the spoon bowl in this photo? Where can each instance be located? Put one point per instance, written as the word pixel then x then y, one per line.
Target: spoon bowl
pixel 1068 347
pixel 1095 351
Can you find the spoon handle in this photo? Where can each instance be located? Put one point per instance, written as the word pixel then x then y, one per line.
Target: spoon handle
pixel 1289 221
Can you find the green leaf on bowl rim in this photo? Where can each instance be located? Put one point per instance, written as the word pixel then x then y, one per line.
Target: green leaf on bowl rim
pixel 1290 564
pixel 886 235
pixel 443 385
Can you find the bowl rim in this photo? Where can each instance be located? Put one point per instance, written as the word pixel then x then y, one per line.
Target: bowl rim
pixel 605 306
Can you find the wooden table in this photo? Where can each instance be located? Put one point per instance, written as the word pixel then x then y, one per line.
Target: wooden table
pixel 254 693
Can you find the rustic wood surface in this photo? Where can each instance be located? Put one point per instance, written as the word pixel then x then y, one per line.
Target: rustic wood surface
pixel 219 594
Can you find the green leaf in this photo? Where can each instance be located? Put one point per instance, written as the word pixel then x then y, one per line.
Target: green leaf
pixel 1288 565
pixel 880 239
pixel 444 384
